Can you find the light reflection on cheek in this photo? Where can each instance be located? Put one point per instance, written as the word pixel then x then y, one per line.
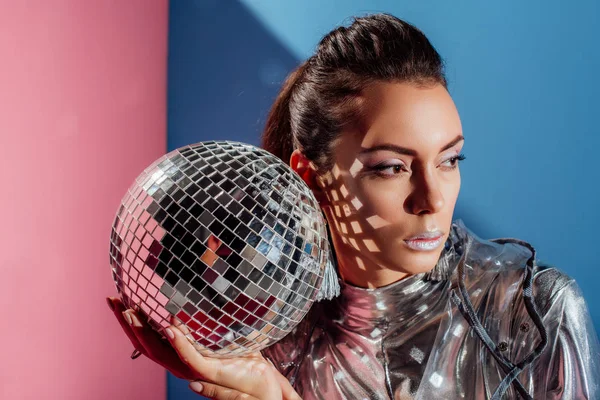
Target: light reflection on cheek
pixel 355 168
pixel 356 203
pixel 376 222
pixel 358 211
pixel 386 203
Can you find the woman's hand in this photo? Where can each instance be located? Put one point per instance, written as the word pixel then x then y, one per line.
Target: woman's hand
pixel 250 377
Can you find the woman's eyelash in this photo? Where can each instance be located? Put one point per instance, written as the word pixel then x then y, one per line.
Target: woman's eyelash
pixel 384 166
pixel 389 170
pixel 454 160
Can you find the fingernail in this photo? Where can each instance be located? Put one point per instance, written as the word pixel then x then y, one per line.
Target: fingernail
pixel 128 318
pixel 170 333
pixel 110 304
pixel 196 386
pixel 135 320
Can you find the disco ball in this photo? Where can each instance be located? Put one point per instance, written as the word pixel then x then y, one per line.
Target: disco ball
pixel 225 237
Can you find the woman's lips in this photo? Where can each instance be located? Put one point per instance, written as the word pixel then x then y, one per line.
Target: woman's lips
pixel 425 242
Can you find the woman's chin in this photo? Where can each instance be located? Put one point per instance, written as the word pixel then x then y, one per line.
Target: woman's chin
pixel 414 262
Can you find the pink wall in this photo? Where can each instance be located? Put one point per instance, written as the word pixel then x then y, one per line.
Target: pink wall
pixel 82 112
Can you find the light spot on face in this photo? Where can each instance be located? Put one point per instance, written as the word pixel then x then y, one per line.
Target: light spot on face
pixel 360 263
pixel 356 167
pixel 344 228
pixel 336 172
pixel 355 227
pixel 370 245
pixel 337 211
pixel 334 195
pixel 356 203
pixel 344 191
pixel 346 209
pixel 377 222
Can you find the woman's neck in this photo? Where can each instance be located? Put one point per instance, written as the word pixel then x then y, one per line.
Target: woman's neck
pixel 362 273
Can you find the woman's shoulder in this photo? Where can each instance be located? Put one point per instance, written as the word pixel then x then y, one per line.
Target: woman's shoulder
pixel 537 310
pixel 550 283
pixel 510 262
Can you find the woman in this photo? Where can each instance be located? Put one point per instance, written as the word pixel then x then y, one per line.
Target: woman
pixel 427 310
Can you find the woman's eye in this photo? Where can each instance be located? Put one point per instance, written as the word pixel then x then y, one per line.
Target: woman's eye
pixel 389 170
pixel 452 163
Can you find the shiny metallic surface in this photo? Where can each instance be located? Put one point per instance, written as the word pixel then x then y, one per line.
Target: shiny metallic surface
pixel 225 237
pixel 408 340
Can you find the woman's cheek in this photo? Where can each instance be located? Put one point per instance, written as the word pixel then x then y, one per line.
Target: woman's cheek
pixel 385 201
pixel 369 206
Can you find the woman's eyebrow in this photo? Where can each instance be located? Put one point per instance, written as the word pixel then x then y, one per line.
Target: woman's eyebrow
pixel 389 147
pixel 407 151
pixel 453 143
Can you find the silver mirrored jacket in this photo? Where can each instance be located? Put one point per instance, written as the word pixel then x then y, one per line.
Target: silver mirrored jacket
pixel 491 323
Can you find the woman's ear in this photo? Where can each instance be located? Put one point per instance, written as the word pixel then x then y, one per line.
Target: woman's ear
pixel 307 172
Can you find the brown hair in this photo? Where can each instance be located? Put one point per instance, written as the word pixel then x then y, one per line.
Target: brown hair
pixel 320 96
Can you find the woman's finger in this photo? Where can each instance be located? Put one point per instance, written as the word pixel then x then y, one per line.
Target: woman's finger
pixel 118 308
pixel 246 375
pixel 217 392
pixel 158 349
pixel 287 390
pixel 176 322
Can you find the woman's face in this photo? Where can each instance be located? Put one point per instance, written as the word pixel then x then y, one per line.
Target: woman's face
pixel 392 191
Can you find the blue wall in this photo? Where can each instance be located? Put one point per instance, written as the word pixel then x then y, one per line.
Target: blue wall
pixel 523 75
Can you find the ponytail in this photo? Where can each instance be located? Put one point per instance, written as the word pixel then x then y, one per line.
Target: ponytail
pixel 278 138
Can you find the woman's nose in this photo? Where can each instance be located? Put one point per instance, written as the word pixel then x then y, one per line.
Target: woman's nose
pixel 427 197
